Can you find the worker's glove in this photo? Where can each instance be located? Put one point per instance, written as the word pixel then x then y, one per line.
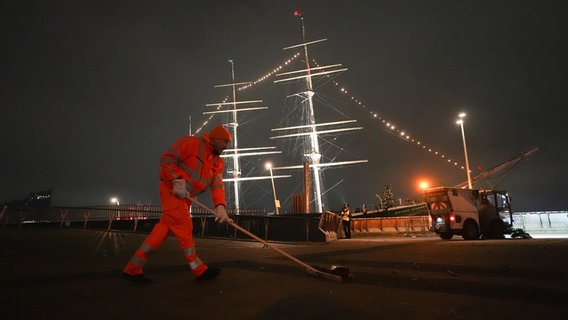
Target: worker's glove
pixel 221 214
pixel 179 188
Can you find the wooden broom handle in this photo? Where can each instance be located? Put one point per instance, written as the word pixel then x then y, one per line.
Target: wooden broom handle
pixel 255 237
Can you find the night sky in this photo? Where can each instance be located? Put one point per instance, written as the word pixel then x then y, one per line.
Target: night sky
pixel 94 91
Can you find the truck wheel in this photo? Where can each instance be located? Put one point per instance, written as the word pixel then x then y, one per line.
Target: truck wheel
pixel 446 235
pixel 470 230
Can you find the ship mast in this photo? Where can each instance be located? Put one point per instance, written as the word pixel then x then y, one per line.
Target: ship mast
pixel 234 125
pixel 310 129
pixel 232 108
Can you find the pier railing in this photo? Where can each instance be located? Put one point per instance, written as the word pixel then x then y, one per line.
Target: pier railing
pixel 286 227
pixel 289 227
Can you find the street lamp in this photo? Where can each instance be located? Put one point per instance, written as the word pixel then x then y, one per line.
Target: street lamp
pixel 460 122
pixel 115 200
pixel 276 202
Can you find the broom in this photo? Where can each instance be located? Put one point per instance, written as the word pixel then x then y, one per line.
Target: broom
pixel 337 273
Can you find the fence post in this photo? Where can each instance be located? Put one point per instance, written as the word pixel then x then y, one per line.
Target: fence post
pixel 3 214
pixel 21 218
pixel 110 218
pixel 63 214
pixel 135 222
pixel 86 215
pixel 203 225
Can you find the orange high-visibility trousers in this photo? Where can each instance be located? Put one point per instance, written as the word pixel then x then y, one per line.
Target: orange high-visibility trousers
pixel 175 219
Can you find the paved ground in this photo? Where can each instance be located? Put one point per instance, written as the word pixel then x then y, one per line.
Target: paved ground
pixel 51 273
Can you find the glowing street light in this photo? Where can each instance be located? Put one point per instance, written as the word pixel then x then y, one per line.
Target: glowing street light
pixel 115 200
pixel 276 202
pixel 460 122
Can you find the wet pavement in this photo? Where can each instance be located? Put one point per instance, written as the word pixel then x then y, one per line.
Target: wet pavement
pixel 52 273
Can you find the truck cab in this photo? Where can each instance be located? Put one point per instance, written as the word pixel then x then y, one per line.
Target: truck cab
pixel 470 213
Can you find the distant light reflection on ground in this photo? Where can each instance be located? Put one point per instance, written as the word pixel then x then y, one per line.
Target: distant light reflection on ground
pixel 548 236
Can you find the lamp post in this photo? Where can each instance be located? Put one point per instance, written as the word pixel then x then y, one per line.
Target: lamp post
pixel 276 202
pixel 114 200
pixel 460 122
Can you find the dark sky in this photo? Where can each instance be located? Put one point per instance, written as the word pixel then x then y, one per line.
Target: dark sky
pixel 94 91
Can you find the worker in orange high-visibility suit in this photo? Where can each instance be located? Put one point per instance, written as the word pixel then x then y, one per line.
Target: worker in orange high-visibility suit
pixel 189 167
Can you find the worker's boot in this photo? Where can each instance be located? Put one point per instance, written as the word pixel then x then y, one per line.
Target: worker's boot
pixel 209 274
pixel 139 279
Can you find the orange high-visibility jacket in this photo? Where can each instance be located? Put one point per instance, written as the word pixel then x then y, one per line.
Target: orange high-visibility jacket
pixel 192 158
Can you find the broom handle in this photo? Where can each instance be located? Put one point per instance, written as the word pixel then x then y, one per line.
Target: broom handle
pixel 255 237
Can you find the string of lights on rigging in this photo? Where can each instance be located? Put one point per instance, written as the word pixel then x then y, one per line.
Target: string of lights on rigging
pixel 257 81
pixel 390 125
pixel 342 90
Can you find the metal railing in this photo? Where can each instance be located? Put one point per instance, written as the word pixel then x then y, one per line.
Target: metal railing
pixel 293 227
pixel 290 227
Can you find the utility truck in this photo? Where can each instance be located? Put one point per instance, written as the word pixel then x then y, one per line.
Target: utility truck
pixel 470 213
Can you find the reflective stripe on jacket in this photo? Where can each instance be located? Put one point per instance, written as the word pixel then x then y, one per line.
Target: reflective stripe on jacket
pixel 345 215
pixel 193 159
